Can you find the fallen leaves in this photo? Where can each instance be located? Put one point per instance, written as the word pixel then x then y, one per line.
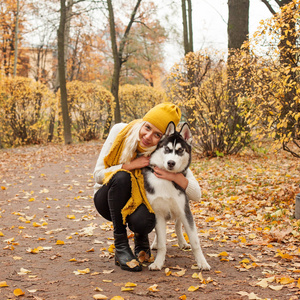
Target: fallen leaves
pixel 133 263
pixel 244 220
pixel 3 284
pixel 18 292
pixel 82 272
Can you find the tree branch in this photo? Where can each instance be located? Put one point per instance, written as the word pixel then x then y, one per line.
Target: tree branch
pixel 124 39
pixel 266 2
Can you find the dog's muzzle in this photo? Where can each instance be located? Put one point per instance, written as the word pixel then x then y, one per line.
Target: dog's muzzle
pixel 171 164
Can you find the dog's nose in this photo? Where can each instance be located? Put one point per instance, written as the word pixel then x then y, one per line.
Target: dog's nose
pixel 171 164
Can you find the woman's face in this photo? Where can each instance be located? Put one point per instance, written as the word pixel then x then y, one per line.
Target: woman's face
pixel 149 135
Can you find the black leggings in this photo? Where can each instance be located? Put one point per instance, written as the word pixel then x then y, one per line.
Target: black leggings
pixel 112 197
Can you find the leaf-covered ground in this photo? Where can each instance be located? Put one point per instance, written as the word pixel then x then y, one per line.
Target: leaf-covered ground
pixel 54 245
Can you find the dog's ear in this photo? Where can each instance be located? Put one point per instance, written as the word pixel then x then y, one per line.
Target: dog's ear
pixel 170 129
pixel 185 132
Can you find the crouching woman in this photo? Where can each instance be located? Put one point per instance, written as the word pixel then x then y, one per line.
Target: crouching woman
pixel 119 186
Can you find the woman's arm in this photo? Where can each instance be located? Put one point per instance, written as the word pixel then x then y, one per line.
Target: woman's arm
pixel 100 170
pixel 137 163
pixel 178 178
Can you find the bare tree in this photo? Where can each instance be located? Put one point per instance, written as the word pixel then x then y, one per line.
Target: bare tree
pixel 62 41
pixel 118 56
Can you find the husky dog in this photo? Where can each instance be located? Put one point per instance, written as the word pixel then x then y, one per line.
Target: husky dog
pixel 168 200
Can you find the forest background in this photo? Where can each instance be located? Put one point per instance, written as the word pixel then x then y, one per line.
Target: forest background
pixel 101 62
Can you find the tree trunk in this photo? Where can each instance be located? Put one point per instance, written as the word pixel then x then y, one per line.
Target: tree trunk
pixel 187 26
pixel 17 38
pixel 238 23
pixel 118 60
pixel 62 74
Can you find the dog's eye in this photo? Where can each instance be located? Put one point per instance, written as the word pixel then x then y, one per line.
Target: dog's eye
pixel 180 151
pixel 168 150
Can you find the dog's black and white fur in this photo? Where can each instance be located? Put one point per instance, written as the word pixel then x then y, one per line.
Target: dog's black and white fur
pixel 168 200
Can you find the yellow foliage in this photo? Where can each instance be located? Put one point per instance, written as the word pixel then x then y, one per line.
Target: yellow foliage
pixel 136 100
pixel 90 104
pixel 199 85
pixel 24 111
pixel 271 102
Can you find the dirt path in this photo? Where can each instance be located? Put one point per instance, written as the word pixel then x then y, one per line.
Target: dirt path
pixel 54 245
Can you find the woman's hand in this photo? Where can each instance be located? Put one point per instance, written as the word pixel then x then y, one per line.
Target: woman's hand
pixel 137 163
pixel 178 178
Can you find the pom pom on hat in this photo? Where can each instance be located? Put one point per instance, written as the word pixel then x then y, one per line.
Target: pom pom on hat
pixel 162 114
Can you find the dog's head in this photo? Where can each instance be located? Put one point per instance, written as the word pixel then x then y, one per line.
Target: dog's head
pixel 173 152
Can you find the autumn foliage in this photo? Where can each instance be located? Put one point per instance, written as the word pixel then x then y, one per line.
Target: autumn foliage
pixel 199 85
pixel 89 105
pixel 23 105
pixel 270 98
pixel 136 100
pixel 30 112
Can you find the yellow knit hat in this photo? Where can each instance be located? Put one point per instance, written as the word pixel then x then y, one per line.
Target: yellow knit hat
pixel 162 114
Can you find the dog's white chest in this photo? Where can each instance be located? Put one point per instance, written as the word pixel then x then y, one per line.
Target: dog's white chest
pixel 166 199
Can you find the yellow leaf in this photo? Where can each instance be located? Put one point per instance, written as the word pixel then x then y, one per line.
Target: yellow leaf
pixel 246 261
pixel 180 273
pixel 73 259
pixel 168 272
pixel 133 263
pixel 130 284
pixel 59 242
pixel 298 283
pixel 286 280
pixel 1 233
pixel 82 272
pixel 99 297
pixel 3 188
pixel 153 288
pixel 183 297
pixel 193 288
pixel 111 248
pixel 3 284
pixel 223 254
pixel 34 251
pixel 18 292
pixel 71 217
pixel 126 289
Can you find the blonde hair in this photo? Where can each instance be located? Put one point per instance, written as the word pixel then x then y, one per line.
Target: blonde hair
pixel 132 141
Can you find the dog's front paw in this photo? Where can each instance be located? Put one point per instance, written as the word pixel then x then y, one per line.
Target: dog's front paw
pixel 184 246
pixel 204 266
pixel 155 267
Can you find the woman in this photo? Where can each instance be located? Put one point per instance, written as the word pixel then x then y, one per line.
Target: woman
pixel 119 189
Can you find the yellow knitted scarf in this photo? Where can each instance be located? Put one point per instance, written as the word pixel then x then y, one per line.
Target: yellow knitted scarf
pixel 138 194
